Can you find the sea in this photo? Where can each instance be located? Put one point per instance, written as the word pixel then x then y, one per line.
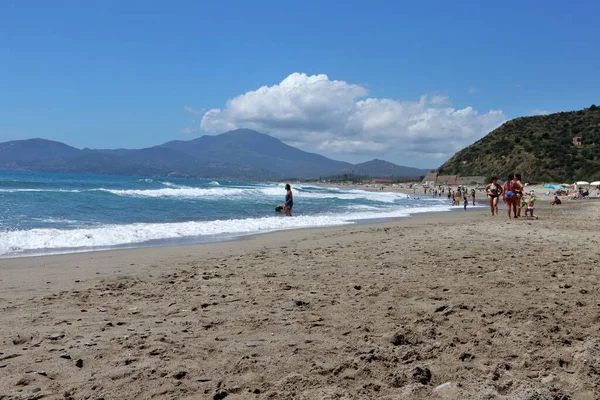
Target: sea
pixel 50 213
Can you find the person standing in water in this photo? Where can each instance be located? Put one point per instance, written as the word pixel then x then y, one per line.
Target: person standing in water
pixel 289 200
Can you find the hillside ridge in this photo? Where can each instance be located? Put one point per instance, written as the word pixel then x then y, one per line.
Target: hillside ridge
pixel 542 148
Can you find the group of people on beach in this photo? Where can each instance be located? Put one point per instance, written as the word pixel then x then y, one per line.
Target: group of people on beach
pixel 461 193
pixel 512 195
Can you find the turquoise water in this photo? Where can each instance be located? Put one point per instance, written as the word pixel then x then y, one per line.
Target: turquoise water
pixel 45 213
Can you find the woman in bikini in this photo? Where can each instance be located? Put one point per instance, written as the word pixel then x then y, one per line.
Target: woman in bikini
pixel 493 191
pixel 518 190
pixel 509 196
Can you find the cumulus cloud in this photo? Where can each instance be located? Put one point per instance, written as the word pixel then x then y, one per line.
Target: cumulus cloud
pixel 334 116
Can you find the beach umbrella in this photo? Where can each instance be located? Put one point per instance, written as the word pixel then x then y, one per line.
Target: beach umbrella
pixel 550 186
pixel 595 183
pixel 582 183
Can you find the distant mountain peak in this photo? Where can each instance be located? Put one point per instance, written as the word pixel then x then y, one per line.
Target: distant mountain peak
pixel 240 153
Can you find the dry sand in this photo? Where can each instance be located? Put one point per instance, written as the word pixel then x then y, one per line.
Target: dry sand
pixel 497 309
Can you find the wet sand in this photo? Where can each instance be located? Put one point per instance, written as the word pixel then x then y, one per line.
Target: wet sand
pixel 457 305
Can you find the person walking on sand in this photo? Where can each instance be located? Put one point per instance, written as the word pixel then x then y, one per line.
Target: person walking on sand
pixel 518 186
pixel 509 196
pixel 493 191
pixel 473 195
pixel 289 200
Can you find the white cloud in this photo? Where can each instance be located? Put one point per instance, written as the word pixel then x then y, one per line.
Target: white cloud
pixel 192 110
pixel 472 90
pixel 538 112
pixel 188 131
pixel 338 117
pixel 439 100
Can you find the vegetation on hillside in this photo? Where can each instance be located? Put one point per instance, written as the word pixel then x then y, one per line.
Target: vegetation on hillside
pixel 540 148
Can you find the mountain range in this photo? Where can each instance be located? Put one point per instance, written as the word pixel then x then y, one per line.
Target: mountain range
pixel 238 154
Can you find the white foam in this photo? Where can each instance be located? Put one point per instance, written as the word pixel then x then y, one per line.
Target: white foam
pixel 174 185
pixel 182 192
pixel 56 220
pixel 218 192
pixel 47 241
pixel 256 192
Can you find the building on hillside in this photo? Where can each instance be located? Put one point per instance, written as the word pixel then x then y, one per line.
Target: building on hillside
pixel 465 180
pixel 433 178
pixel 577 141
pixel 430 177
pixel 447 179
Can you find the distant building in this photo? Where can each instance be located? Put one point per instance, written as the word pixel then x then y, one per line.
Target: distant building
pixel 433 178
pixel 447 178
pixel 430 177
pixel 465 180
pixel 577 141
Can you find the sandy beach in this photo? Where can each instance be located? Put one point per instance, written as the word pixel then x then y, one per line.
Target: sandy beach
pixel 455 305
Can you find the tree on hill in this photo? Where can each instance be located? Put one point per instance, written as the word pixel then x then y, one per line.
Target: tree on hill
pixel 541 148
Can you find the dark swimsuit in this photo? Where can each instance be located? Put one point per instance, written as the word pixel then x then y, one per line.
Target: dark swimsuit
pixel 494 192
pixel 289 201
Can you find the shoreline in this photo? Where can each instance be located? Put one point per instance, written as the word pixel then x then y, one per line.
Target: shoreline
pixel 241 244
pixel 451 305
pixel 205 239
pixel 175 238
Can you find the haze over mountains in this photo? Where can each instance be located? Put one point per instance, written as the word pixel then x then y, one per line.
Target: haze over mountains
pixel 238 154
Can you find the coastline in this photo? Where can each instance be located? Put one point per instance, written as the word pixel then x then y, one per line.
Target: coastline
pixel 54 264
pixel 388 310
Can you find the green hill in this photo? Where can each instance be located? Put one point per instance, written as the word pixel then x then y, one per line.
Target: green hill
pixel 541 148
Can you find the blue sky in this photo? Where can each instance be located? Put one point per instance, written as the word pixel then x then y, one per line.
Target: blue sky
pixel 409 83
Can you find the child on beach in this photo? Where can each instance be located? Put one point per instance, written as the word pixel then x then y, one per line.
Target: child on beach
pixel 465 203
pixel 529 202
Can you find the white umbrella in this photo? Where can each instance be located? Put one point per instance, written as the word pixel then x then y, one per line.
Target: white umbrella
pixel 582 183
pixel 595 183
